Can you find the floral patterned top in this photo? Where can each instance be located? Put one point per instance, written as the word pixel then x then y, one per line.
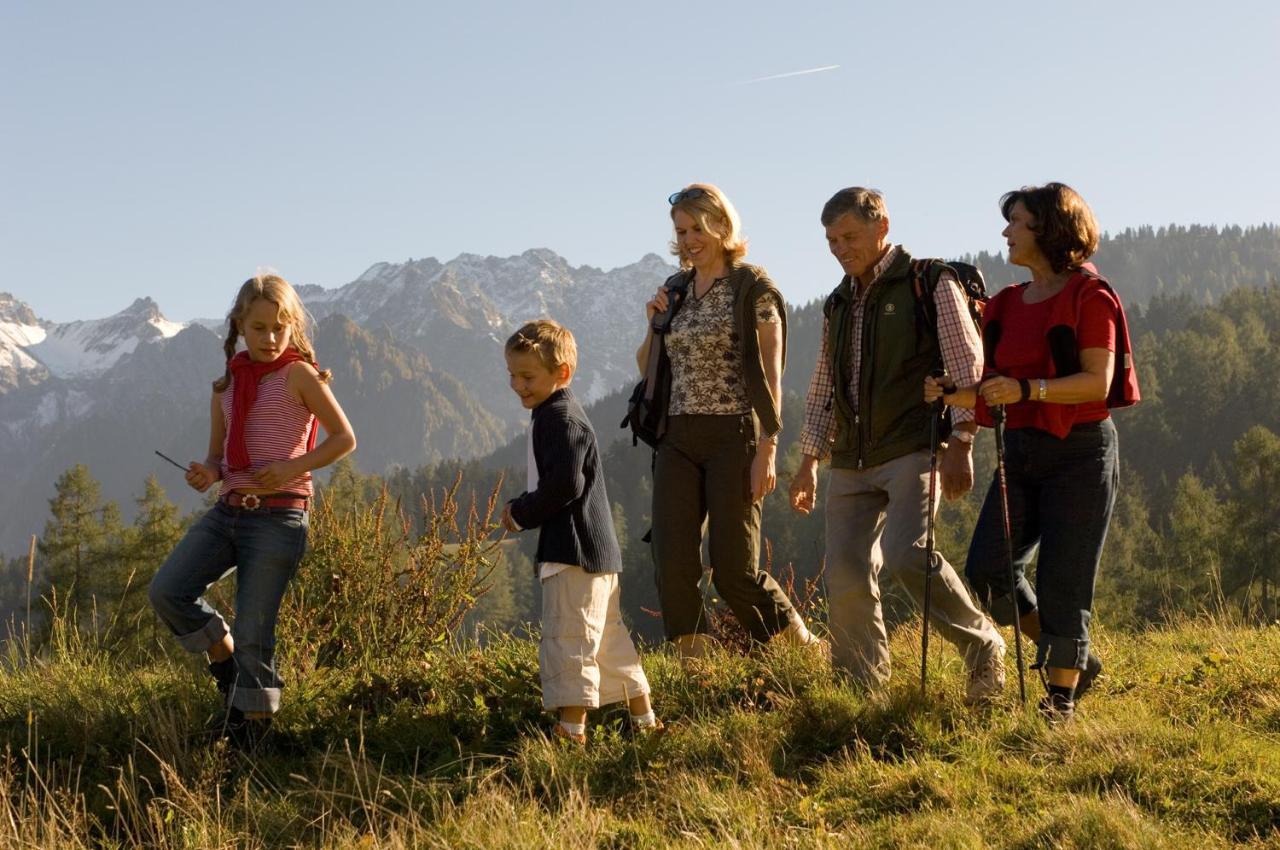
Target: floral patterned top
pixel 706 357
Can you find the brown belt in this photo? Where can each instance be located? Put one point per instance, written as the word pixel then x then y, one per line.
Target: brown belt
pixel 252 501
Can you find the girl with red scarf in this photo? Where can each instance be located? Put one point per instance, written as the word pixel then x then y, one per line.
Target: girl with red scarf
pixel 264 416
pixel 1058 358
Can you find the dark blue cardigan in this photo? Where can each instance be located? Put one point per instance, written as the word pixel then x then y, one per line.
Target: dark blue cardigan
pixel 570 507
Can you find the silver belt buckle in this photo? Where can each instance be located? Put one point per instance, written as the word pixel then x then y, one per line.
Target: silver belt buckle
pixel 250 501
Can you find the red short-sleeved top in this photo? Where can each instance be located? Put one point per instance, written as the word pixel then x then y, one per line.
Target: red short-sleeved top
pixel 1023 350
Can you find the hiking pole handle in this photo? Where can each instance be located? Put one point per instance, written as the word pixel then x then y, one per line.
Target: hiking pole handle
pixel 947 383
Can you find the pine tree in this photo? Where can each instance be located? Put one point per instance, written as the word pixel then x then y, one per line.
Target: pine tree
pixel 80 542
pixel 156 530
pixel 1255 523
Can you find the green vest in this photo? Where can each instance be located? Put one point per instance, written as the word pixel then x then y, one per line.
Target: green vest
pixel 892 419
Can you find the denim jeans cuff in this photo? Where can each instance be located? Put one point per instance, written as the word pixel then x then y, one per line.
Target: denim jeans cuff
pixel 214 630
pixel 1062 652
pixel 256 699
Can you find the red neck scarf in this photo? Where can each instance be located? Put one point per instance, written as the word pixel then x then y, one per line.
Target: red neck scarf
pixel 247 374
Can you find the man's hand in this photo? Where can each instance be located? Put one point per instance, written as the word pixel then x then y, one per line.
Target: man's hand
pixel 804 485
pixel 956 466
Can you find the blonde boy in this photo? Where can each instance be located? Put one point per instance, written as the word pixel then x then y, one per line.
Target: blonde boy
pixel 586 657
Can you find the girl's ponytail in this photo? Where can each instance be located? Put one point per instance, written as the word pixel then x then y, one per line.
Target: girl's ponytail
pixel 229 347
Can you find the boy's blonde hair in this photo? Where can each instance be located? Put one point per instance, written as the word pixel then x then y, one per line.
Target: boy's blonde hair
pixel 551 341
pixel 273 288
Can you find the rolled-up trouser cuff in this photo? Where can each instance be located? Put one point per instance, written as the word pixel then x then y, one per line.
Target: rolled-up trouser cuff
pixel 1062 652
pixel 255 699
pixel 213 631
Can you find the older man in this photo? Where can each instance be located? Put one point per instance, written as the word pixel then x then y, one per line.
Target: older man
pixel 865 412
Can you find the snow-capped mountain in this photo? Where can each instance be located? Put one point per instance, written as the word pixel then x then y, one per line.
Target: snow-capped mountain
pixel 32 350
pixel 19 329
pixel 459 313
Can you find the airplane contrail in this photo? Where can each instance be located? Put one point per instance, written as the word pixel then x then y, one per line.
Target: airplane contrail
pixel 788 74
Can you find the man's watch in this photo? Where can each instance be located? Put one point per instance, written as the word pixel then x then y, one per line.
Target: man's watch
pixel 963 436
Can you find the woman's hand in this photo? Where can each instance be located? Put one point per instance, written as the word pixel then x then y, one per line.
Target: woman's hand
pixel 277 474
pixel 201 477
pixel 764 471
pixel 1000 390
pixel 656 305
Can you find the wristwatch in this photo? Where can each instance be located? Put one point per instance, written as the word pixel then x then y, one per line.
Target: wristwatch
pixel 963 436
pixel 1044 390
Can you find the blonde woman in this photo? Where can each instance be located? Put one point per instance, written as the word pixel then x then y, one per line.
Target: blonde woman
pixel 726 348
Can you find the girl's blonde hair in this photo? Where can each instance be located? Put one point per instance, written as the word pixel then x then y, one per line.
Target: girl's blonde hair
pixel 273 288
pixel 715 215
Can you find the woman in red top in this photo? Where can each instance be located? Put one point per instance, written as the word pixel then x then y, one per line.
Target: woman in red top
pixel 1057 357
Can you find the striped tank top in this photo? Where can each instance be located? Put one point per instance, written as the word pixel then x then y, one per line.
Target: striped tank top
pixel 277 429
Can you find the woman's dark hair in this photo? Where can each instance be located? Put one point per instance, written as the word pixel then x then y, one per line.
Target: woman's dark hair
pixel 1066 231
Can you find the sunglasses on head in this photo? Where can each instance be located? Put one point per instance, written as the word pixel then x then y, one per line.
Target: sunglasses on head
pixel 685 195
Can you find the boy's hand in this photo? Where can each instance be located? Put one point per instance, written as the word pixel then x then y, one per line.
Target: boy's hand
pixel 508 522
pixel 276 474
pixel 201 477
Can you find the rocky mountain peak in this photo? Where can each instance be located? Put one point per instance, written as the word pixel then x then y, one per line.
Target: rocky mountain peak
pixel 15 311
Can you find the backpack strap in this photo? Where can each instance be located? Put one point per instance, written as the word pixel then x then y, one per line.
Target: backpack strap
pixel 925 274
pixel 677 287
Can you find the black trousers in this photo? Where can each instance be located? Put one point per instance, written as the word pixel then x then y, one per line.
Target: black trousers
pixel 703 473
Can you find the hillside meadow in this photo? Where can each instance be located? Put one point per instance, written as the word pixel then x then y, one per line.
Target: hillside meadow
pixel 398 733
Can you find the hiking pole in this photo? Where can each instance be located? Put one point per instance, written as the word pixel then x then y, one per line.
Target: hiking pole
pixel 997 415
pixel 948 386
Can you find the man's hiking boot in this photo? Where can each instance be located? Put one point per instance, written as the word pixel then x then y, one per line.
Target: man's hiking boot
pixel 1057 709
pixel 986 679
pixel 224 674
pixel 1092 667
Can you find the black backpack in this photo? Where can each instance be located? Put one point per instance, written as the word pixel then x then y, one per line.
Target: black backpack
pixel 971 283
pixel 647 407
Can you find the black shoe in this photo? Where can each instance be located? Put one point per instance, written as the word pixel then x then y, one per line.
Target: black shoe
pixel 246 734
pixel 1057 709
pixel 1092 667
pixel 224 673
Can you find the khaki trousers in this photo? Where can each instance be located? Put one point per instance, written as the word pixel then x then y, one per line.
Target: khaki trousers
pixel 586 656
pixel 876 532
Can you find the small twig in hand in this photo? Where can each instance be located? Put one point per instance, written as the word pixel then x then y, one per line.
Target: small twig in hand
pixel 171 460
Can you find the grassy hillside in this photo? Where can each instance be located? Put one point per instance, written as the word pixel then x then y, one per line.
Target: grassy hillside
pixel 1179 746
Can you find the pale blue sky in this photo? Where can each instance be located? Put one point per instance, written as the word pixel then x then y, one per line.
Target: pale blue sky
pixel 169 149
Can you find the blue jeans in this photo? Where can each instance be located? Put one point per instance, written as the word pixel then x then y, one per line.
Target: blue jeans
pixel 264 547
pixel 1061 493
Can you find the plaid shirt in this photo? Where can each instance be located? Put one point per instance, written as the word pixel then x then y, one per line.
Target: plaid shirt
pixel 957 336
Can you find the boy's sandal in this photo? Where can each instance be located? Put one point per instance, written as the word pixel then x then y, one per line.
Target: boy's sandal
pixel 562 734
